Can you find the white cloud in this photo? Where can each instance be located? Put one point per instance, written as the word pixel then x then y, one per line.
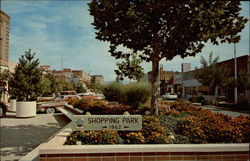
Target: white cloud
pixel 30 28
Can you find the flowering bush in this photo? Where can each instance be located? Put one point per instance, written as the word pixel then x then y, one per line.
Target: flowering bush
pixel 205 126
pixel 134 138
pixel 94 137
pixel 101 107
pixel 153 131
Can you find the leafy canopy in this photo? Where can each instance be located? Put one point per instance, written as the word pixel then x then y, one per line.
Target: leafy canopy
pixel 164 29
pixel 130 67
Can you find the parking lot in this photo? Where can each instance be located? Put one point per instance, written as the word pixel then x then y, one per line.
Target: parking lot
pixel 19 136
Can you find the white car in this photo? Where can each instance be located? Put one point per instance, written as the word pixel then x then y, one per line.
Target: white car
pixel 66 97
pixel 91 95
pixel 170 96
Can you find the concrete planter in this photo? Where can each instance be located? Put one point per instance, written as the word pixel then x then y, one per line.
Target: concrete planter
pixel 55 148
pixel 26 109
pixel 13 105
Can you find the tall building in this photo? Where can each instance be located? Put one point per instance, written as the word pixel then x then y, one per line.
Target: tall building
pixel 4 40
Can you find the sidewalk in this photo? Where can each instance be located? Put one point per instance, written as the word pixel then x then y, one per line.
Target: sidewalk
pixel 19 136
pixel 224 111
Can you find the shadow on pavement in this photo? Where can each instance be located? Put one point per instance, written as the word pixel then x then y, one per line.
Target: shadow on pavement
pixel 20 140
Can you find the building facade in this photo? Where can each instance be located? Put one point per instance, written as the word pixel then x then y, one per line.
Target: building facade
pixel 97 79
pixel 4 40
pixel 192 86
pixel 166 80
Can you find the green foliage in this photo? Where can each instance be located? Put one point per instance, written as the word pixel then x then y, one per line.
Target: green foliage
pixel 160 27
pixel 137 93
pixel 191 126
pixel 56 83
pixel 134 138
pixel 26 81
pixel 97 88
pixel 156 30
pixel 114 92
pixel 243 81
pixel 94 137
pixel 205 126
pixel 154 132
pixel 130 68
pixel 46 84
pixel 134 94
pixel 69 86
pixel 211 74
pixel 99 107
pixel 80 88
pixel 4 77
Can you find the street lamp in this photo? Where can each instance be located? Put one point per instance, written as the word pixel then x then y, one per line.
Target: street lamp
pixel 235 75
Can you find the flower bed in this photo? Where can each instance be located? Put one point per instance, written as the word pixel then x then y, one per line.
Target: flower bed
pixel 179 123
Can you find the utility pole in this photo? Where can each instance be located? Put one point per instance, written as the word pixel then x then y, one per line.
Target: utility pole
pixel 235 76
pixel 62 62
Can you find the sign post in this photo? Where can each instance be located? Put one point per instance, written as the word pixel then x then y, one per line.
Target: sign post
pixel 112 122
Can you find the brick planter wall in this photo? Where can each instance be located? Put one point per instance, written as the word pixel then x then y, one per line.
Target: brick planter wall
pixel 149 156
pixel 54 150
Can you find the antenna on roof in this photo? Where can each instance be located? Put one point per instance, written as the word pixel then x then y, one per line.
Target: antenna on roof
pixel 62 62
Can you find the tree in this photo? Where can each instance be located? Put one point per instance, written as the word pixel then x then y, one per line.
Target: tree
pixel 69 86
pixel 4 77
pixel 243 81
pixel 80 88
pixel 46 87
pixel 26 81
pixel 56 83
pixel 211 74
pixel 130 68
pixel 156 30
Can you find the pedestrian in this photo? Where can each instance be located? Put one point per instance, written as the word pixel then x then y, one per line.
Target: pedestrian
pixel 4 108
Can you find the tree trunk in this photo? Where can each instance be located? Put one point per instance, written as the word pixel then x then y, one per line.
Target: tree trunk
pixel 155 86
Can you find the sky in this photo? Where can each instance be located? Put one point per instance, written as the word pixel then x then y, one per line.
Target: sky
pixel 62 30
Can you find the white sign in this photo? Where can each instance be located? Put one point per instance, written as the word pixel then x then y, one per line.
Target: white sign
pixel 100 122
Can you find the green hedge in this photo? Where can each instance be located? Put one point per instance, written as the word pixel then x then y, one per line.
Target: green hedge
pixel 134 94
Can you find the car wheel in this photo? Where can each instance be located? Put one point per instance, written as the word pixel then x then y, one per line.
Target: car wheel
pixel 51 110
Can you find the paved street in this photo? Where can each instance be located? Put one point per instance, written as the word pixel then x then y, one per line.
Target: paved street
pixel 20 136
pixel 224 111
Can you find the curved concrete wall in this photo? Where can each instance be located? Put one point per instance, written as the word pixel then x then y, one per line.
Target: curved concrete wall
pixel 26 109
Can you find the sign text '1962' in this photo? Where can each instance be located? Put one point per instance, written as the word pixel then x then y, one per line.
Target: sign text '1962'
pixel 114 122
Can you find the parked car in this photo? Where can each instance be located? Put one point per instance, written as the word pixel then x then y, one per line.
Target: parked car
pixel 66 97
pixel 170 96
pixel 100 96
pixel 87 95
pixel 68 93
pixel 50 107
pixel 91 95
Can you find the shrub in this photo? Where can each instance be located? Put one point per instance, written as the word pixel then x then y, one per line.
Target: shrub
pixel 72 101
pixel 134 138
pixel 153 131
pixel 166 110
pixel 114 92
pixel 137 93
pixel 74 137
pixel 134 94
pixel 182 106
pixel 94 137
pixel 205 126
pixel 101 107
pixel 179 139
pixel 190 127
